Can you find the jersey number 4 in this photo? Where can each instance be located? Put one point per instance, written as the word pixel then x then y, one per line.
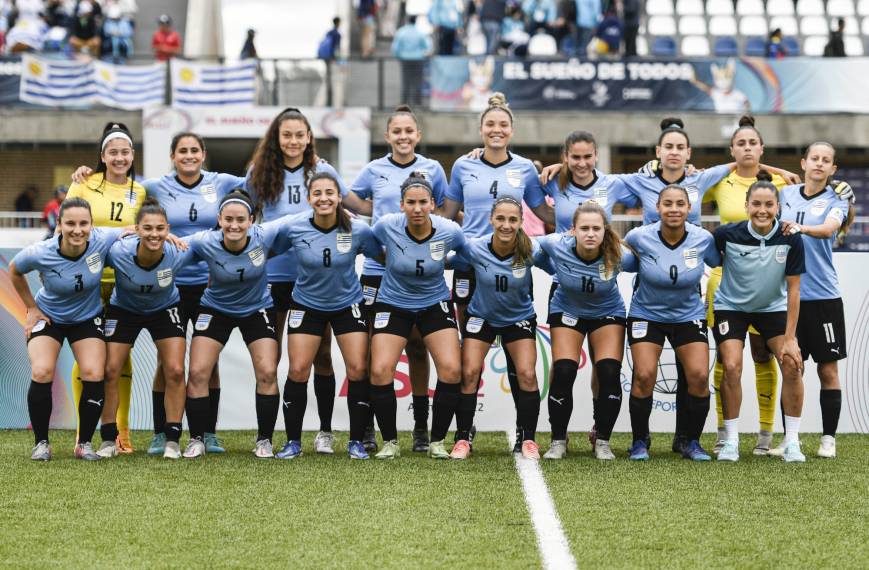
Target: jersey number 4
pixel 493 190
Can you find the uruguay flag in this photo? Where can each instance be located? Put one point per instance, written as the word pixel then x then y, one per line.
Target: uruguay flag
pixel 57 83
pixel 213 84
pixel 130 86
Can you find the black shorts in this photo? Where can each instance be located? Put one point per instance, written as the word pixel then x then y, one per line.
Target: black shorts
pixel 478 328
pixel 188 306
pixel 123 326
pixel 734 324
pixel 217 325
pixel 282 294
pixel 88 328
pixel 642 330
pixel 305 320
pixel 393 320
pixel 370 286
pixel 821 330
pixel 580 325
pixel 464 285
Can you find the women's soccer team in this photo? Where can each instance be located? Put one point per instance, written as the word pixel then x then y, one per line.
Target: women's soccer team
pixel 275 252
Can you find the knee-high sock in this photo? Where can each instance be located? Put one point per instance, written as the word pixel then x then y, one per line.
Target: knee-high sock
pixel 158 410
pixel 766 380
pixel 385 407
pixel 266 415
pixel 560 401
pixel 358 406
pixel 465 415
pixel 698 409
pixel 831 407
pixel 446 400
pixel 513 380
pixel 295 402
pixel 640 409
pixel 420 412
pixel 609 398
pixel 90 406
pixel 324 391
pixel 76 393
pixel 681 391
pixel 197 416
pixel 528 413
pixel 213 409
pixel 717 377
pixel 125 390
pixel 39 405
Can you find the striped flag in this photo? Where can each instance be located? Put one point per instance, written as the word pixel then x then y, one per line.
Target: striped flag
pixel 130 86
pixel 213 84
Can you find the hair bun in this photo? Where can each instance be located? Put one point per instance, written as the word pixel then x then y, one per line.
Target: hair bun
pixel 403 108
pixel 672 123
pixel 746 121
pixel 497 99
pixel 113 126
pixel 764 176
pixel 150 201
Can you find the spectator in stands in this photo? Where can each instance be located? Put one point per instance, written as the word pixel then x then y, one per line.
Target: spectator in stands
pixel 514 38
pixel 446 17
pixel 411 47
pixel 85 33
pixel 775 49
pixel 49 213
pixel 588 15
pixel 540 14
pixel 166 42
pixel 836 46
pixel 248 50
pixel 631 21
pixel 25 203
pixel 118 32
pixel 331 44
pixel 367 15
pixel 491 15
pixel 564 23
pixel 609 33
pixel 27 34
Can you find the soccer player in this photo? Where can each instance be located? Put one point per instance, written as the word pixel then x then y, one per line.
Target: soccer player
pixel 327 293
pixel 67 306
pixel 145 297
pixel 501 306
pixel 413 293
pixel 669 258
pixel 283 163
pixel 760 286
pixel 815 211
pixel 115 199
pixel 379 184
pixel 237 296
pixel 587 303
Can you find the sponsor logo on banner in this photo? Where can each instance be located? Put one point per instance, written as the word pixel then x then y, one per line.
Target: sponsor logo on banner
pixel 514 177
pixel 369 293
pixel 781 254
pixel 475 324
pixel 690 257
pixel 94 262
pixel 568 319
pixel 437 249
pixel 111 326
pixel 344 242
pixel 463 287
pixel 40 324
pixel 723 327
pixel 693 194
pixel 381 320
pixel 164 277
pixel 296 318
pixel 202 322
pixel 209 193
pixel 257 257
pixel 818 207
pixel 600 195
pixel 639 329
pixel 519 271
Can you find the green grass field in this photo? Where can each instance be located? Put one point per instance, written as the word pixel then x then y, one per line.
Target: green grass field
pixel 319 511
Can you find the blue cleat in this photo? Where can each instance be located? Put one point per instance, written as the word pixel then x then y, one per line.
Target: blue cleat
pixel 291 450
pixel 158 444
pixel 693 451
pixel 793 454
pixel 356 449
pixel 638 451
pixel 213 443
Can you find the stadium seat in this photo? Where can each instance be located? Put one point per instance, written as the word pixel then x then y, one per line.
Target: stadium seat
pixel 865 29
pixel 753 26
pixel 840 8
pixel 689 7
pixel 787 24
pixel 659 7
pixel 792 45
pixel 810 8
pixel 664 47
pixel 863 7
pixel 722 26
pixel 814 45
pixel 814 25
pixel 417 7
pixel 661 26
pixel 642 46
pixel 726 47
pixel 749 8
pixel 692 25
pixel 542 44
pixel 852 26
pixel 853 46
pixel 755 47
pixel 719 8
pixel 780 8
pixel 695 46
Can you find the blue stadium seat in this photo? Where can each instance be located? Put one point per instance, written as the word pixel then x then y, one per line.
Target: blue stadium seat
pixel 755 47
pixel 792 45
pixel 726 47
pixel 664 47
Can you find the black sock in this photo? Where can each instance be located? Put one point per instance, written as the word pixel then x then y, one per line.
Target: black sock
pixel 295 402
pixel 324 391
pixel 39 406
pixel 358 406
pixel 681 392
pixel 446 400
pixel 698 409
pixel 465 415
pixel 90 407
pixel 528 413
pixel 267 415
pixel 109 431
pixel 197 416
pixel 640 409
pixel 560 401
pixel 173 431
pixel 594 404
pixel 385 408
pixel 831 407
pixel 213 409
pixel 420 412
pixel 158 403
pixel 513 380
pixel 609 397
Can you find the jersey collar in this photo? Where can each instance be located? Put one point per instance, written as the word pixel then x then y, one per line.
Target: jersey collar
pixel 322 230
pixel 77 257
pixel 295 168
pixel 675 245
pixel 149 267
pixel 489 164
pixel 660 176
pixel 576 255
pixel 189 186
pixel 423 240
pixel 808 198
pixel 398 164
pixel 587 186
pixel 239 252
pixel 492 250
pixel 757 236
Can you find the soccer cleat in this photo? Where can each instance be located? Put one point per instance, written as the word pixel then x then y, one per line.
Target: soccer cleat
pixel 602 450
pixel 777 451
pixel 86 451
pixel 41 451
pixel 716 449
pixel 592 435
pixel 695 452
pixel 172 450
pixel 264 450
pixel 420 440
pixel 679 443
pixel 530 449
pixel 827 448
pixel 793 453
pixel 123 442
pixel 639 451
pixel 517 445
pixel 472 433
pixel 369 440
pixel 764 440
pixel 158 444
pixel 557 449
pixel 290 450
pixel 356 450
pixel 195 448
pixel 107 450
pixel 213 443
pixel 324 442
pixel 461 450
pixel 390 450
pixel 437 450
pixel 729 452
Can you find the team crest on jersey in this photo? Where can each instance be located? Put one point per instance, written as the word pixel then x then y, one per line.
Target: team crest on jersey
pixel 437 249
pixel 818 207
pixel 164 277
pixel 475 324
pixel 131 197
pixel 296 318
pixel 463 287
pixel 209 193
pixel 691 258
pixel 202 322
pixel 257 257
pixel 568 319
pixel 519 271
pixel 94 262
pixel 600 195
pixel 693 194
pixel 603 273
pixel 344 242
pixel 38 326
pixel 639 329
pixel 723 327
pixel 111 327
pixel 781 254
pixel 381 320
pixel 369 293
pixel 514 177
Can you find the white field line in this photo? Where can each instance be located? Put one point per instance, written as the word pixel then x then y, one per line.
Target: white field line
pixel 551 541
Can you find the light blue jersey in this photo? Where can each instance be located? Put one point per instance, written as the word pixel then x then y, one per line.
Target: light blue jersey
pixel 605 189
pixel 668 280
pixel 238 283
pixel 414 277
pixel 293 200
pixel 191 209
pixel 70 290
pixel 646 189
pixel 477 183
pixel 503 293
pixel 585 289
pixel 144 290
pixel 327 279
pixel 820 280
pixel 380 181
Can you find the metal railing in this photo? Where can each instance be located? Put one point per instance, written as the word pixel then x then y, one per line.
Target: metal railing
pixel 21 220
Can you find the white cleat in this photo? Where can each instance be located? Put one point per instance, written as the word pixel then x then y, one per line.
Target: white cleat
pixel 793 453
pixel 264 450
pixel 557 449
pixel 107 450
pixel 602 450
pixel 827 449
pixel 195 448
pixel 41 451
pixel 324 442
pixel 172 450
pixel 777 451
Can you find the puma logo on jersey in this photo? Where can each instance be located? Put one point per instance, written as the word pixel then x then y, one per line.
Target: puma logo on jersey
pixel 305 242
pixel 57 272
pixel 401 248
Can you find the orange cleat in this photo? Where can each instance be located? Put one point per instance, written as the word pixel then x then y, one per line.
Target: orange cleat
pixel 461 450
pixel 530 449
pixel 123 442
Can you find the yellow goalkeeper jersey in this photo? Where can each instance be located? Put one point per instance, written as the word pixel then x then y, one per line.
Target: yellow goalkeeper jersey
pixel 729 194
